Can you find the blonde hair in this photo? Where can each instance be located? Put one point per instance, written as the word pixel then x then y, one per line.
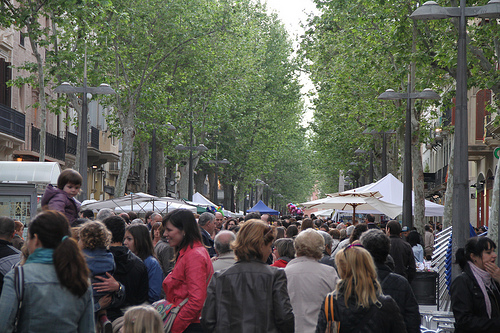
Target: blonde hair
pixel 309 243
pixel 253 235
pixel 358 275
pixel 142 318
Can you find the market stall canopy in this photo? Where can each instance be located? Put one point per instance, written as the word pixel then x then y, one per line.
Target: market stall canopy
pixel 325 212
pixel 139 202
pixel 29 172
pixel 200 201
pixel 355 203
pixel 391 190
pixel 263 209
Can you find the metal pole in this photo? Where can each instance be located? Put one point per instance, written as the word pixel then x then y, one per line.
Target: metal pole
pixel 407 204
pixel 461 215
pixel 216 183
pixel 371 167
pixel 152 174
pixel 384 155
pixel 190 185
pixel 85 132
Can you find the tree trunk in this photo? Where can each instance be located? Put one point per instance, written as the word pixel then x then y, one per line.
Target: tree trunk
pixel 448 196
pixel 41 92
pixel 493 225
pixel 143 166
pixel 418 170
pixel 183 182
pixel 126 159
pixel 199 181
pixel 161 189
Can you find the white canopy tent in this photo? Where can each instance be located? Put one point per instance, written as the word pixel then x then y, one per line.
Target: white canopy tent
pixel 391 190
pixel 356 202
pixel 139 202
pixel 201 201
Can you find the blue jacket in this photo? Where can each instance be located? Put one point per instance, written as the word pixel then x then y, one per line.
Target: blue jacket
pixel 100 262
pixel 155 276
pixel 47 305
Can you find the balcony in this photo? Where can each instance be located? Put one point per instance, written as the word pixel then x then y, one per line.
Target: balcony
pixel 12 122
pixel 71 140
pixel 55 147
pixel 100 150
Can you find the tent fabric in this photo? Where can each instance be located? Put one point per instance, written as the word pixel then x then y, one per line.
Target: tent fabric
pixel 355 204
pixel 30 172
pixel 391 189
pixel 201 201
pixel 261 207
pixel 139 202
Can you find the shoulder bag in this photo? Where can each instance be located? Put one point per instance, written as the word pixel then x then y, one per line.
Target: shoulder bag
pixel 168 312
pixel 332 325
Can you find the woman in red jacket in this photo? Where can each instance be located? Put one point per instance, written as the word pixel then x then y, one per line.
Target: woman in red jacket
pixel 192 271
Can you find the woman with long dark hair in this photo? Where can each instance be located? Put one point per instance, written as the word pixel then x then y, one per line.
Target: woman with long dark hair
pixel 192 271
pixel 56 292
pixel 249 296
pixel 138 240
pixel 475 295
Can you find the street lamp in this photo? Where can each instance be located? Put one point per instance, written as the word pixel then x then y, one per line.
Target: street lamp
pixel 216 185
pixel 432 11
pixel 390 94
pixel 67 88
pixel 199 148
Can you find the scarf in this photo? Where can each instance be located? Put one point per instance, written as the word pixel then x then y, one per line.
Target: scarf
pixel 483 279
pixel 41 256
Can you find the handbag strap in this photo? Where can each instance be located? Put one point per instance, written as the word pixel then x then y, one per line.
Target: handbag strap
pixel 329 312
pixel 19 288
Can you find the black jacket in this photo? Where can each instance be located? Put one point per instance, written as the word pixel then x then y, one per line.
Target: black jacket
pixel 248 297
pixel 133 275
pixel 400 290
pixel 404 262
pixel 9 256
pixel 208 242
pixel 469 307
pixel 386 319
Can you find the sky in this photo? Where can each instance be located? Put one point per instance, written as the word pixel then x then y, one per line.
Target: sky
pixel 292 13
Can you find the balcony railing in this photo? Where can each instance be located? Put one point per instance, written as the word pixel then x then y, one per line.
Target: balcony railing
pixel 94 137
pixel 12 122
pixel 71 143
pixel 55 147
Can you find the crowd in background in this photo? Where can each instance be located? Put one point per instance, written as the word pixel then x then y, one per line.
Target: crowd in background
pixel 101 271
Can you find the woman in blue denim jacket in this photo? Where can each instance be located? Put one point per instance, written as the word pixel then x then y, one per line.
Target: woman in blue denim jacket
pixel 57 294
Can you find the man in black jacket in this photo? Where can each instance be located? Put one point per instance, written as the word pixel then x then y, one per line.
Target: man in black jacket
pixel 9 255
pixel 401 252
pixel 394 285
pixel 130 271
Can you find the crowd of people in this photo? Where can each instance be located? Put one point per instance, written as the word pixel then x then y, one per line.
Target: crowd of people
pixel 258 273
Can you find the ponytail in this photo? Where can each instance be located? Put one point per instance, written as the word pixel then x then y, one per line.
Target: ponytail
pixel 53 232
pixel 71 267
